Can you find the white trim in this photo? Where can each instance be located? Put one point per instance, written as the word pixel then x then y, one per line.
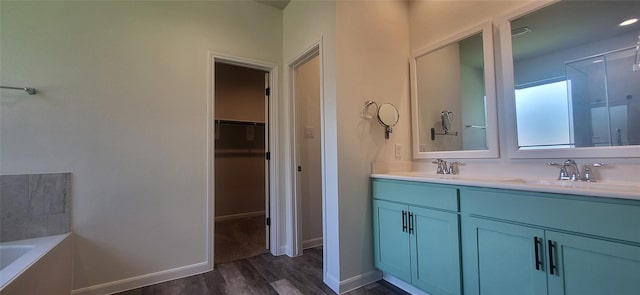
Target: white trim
pixel 283 249
pixel 403 285
pixel 330 246
pixel 274 172
pixel 312 243
pixel 331 281
pixel 144 280
pixel 267 160
pixel 210 173
pixel 294 235
pixel 360 280
pixel 239 215
pixel 492 150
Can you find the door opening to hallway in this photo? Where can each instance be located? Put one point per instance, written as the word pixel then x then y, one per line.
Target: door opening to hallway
pixel 241 162
pixel 308 149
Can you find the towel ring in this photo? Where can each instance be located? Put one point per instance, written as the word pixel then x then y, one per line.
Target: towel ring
pixel 366 113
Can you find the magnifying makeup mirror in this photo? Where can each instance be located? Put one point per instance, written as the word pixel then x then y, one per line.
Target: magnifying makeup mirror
pixel 447 117
pixel 388 117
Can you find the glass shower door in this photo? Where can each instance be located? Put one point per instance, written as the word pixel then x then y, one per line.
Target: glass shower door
pixel 605 91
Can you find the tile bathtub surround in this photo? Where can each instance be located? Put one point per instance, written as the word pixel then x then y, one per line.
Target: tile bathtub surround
pixel 34 205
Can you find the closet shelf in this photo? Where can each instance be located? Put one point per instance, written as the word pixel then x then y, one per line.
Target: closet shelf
pixel 243 123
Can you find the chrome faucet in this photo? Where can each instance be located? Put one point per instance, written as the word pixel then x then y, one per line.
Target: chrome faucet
pixel 442 166
pixel 446 168
pixel 569 170
pixel 574 172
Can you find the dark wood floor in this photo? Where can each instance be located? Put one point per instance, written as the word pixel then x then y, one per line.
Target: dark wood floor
pixel 262 274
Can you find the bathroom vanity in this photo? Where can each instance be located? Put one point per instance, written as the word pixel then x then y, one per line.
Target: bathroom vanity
pixel 451 234
pixel 456 235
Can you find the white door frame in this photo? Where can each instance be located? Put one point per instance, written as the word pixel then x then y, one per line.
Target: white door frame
pixel 294 204
pixel 274 168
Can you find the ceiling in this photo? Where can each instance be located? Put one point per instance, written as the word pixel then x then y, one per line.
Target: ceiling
pixel 572 23
pixel 280 4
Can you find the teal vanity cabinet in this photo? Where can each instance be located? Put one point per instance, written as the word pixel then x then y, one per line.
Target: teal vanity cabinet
pixel 416 234
pixel 517 242
pixel 504 256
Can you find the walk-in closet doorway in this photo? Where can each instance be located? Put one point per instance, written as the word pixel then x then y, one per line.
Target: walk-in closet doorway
pixel 241 157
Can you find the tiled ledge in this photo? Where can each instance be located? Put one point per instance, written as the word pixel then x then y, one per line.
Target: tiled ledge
pixel 34 205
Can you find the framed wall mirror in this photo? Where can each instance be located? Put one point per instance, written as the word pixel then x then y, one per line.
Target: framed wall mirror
pixel 571 79
pixel 453 99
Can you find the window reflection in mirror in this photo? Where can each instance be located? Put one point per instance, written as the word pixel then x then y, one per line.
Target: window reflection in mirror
pixel 543 115
pixel 575 84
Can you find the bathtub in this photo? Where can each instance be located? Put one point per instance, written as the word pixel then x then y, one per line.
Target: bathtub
pixel 27 266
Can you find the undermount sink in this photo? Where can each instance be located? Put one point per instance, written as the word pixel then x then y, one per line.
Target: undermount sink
pixel 529 183
pixel 458 177
pixel 606 186
pixel 478 178
pixel 624 190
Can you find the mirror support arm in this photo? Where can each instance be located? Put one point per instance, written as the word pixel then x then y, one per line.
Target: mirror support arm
pixel 387 130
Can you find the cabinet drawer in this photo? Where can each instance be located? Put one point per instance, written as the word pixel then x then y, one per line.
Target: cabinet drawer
pixel 416 193
pixel 587 215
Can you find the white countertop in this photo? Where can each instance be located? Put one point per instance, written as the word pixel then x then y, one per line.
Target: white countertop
pixel 618 190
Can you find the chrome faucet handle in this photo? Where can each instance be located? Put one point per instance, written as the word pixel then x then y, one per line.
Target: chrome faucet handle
pixel 442 166
pixel 453 167
pixel 586 175
pixel 564 174
pixel 594 164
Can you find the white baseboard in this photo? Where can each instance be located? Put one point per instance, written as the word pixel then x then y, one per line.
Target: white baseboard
pixel 332 282
pixel 403 285
pixel 144 280
pixel 360 280
pixel 239 216
pixel 312 243
pixel 282 250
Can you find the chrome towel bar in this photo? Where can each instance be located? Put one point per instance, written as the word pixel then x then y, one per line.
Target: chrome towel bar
pixel 29 90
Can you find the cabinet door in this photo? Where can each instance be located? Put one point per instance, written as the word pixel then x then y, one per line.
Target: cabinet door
pixel 435 249
pixel 500 258
pixel 591 266
pixel 391 242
